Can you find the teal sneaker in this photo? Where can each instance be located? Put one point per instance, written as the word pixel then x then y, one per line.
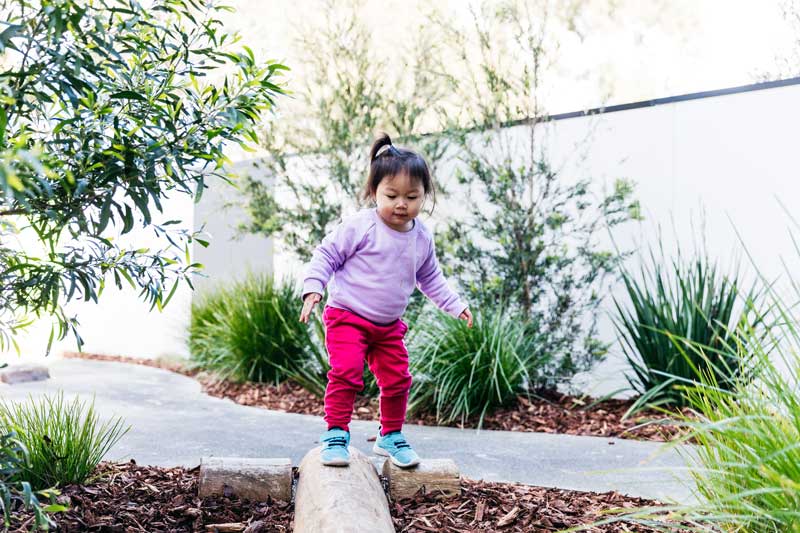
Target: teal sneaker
pixel 394 446
pixel 334 447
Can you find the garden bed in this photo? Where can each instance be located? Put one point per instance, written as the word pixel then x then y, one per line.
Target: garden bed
pixel 551 412
pixel 126 497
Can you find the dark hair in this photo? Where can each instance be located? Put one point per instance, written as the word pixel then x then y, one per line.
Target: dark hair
pixel 392 161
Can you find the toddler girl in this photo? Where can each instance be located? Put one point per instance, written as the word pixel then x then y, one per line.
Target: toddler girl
pixel 376 257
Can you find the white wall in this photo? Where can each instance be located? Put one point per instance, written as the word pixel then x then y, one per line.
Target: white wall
pixel 733 156
pixel 231 254
pixel 724 159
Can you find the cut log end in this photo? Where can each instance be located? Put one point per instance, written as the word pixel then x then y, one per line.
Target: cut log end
pixel 251 479
pixel 438 477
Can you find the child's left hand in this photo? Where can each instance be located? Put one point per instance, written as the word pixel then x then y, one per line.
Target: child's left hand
pixel 466 315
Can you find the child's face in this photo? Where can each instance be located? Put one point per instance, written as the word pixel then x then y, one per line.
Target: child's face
pixel 399 200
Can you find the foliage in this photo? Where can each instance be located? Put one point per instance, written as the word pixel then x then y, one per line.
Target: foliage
pixel 787 61
pixel 13 457
pixel 676 302
pixel 248 331
pixel 461 372
pixel 65 440
pixel 531 236
pixel 744 462
pixel 351 93
pixel 104 113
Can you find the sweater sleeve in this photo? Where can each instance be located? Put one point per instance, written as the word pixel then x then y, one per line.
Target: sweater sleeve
pixel 331 254
pixel 432 283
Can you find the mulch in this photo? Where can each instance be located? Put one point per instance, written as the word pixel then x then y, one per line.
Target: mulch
pixel 127 498
pixel 548 412
pixel 514 508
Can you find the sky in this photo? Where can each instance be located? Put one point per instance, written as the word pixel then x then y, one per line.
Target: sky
pixel 648 49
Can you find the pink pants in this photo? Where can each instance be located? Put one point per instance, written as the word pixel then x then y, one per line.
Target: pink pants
pixel 350 339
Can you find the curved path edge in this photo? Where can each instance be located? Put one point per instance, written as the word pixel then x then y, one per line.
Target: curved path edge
pixel 173 423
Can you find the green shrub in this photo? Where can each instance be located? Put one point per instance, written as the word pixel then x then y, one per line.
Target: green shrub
pixel 16 494
pixel 65 440
pixel 745 466
pixel 249 331
pixel 461 372
pixel 674 304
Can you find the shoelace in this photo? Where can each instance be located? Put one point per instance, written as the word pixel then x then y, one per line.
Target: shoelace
pixel 336 441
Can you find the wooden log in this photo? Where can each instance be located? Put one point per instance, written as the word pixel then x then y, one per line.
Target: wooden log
pixel 252 479
pixel 436 476
pixel 340 499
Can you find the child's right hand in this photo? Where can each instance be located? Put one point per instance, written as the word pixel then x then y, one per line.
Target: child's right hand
pixel 309 301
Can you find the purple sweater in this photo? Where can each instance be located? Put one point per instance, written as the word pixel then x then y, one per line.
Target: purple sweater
pixel 376 268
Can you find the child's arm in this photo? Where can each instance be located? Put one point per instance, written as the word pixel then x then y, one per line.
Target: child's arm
pixel 432 283
pixel 327 258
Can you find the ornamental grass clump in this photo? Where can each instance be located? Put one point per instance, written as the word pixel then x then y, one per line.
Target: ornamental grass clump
pixel 675 304
pixel 65 440
pixel 461 372
pixel 745 466
pixel 749 456
pixel 249 331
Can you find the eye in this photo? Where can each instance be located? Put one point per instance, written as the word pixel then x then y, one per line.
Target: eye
pixel 391 196
pixel 412 197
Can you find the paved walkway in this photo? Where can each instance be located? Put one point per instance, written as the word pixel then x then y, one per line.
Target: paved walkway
pixel 174 423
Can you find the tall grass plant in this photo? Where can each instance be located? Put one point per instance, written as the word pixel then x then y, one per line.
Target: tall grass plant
pixel 65 440
pixel 673 304
pixel 462 372
pixel 745 468
pixel 249 331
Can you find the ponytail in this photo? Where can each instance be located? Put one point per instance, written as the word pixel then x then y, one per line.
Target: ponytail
pixel 382 145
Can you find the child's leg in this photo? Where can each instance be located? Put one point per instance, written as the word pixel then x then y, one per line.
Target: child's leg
pixel 388 360
pixel 346 341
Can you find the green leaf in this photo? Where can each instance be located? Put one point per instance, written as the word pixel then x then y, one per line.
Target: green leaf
pixel 105 215
pixel 128 95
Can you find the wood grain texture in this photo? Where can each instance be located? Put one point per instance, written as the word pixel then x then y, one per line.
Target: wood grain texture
pixel 250 478
pixel 340 499
pixel 437 476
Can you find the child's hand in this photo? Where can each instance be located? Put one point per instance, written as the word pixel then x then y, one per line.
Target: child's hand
pixel 309 302
pixel 466 315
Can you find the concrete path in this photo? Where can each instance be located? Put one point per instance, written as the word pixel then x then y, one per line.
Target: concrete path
pixel 174 423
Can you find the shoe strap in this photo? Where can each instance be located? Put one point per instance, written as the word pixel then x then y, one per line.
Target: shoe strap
pixel 335 441
pixel 398 441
